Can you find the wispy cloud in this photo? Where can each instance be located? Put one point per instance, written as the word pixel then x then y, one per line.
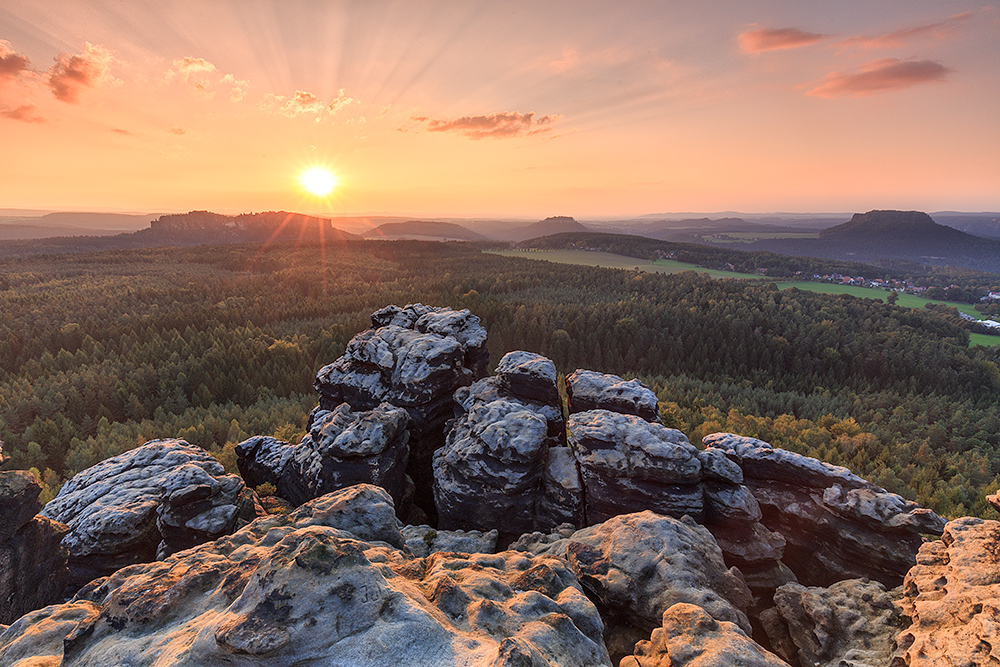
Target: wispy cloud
pixel 73 74
pixel 205 77
pixel 11 62
pixel 900 38
pixel 27 113
pixel 880 76
pixel 304 103
pixel 776 39
pixel 501 124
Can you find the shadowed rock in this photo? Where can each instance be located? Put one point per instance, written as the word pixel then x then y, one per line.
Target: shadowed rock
pixel 590 390
pixel 423 540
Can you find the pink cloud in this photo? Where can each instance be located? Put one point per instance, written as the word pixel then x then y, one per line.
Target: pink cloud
pixel 899 38
pixel 27 113
pixel 501 124
pixel 11 62
pixel 775 39
pixel 205 77
pixel 880 76
pixel 303 102
pixel 72 74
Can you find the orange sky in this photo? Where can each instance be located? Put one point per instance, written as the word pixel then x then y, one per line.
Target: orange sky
pixel 501 108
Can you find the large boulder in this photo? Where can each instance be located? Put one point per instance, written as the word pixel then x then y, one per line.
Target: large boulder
pixel 637 566
pixel 853 622
pixel 422 540
pixel 836 525
pixel 343 447
pixel 325 585
pixel 690 637
pixel 590 390
pixel 161 497
pixel 33 570
pixel 489 473
pixel 950 597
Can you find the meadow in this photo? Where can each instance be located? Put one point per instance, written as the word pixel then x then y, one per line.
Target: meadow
pixel 609 260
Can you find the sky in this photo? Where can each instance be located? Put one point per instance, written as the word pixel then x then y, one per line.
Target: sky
pixel 485 109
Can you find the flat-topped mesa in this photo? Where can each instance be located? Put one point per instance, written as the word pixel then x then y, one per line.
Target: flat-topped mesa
pixel 343 447
pixel 414 358
pixel 590 390
pixel 154 500
pixel 836 524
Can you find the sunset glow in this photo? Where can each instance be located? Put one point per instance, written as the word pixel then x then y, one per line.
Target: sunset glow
pixel 510 108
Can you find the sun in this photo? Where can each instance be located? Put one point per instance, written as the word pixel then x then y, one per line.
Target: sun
pixel 318 181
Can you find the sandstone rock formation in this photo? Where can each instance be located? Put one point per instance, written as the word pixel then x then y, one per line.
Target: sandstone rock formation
pixel 164 496
pixel 836 524
pixel 590 390
pixel 637 566
pixel 951 599
pixel 853 622
pixel 342 448
pixel 423 540
pixel 324 585
pixel 690 637
pixel 33 570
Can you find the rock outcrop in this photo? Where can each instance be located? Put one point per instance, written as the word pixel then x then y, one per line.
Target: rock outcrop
pixel 326 584
pixel 164 496
pixel 590 390
pixel 836 525
pixel 853 622
pixel 690 637
pixel 342 448
pixel 423 540
pixel 33 570
pixel 414 358
pixel 951 599
pixel 637 566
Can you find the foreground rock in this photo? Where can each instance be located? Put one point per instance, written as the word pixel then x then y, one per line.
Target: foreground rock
pixel 423 540
pixel 853 622
pixel 590 390
pixel 950 597
pixel 837 525
pixel 162 497
pixel 33 570
pixel 342 448
pixel 691 637
pixel 326 585
pixel 637 566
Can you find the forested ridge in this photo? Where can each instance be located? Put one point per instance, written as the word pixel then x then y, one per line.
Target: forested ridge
pixel 101 352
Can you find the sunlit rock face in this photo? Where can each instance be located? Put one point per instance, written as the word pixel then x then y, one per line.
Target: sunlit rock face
pixel 343 447
pixel 329 584
pixel 33 570
pixel 590 390
pixel 951 599
pixel 161 497
pixel 414 358
pixel 836 524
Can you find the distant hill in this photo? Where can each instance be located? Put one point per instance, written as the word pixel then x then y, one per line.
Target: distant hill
pixel 979 224
pixel 199 227
pixel 424 230
pixel 560 224
pixel 20 227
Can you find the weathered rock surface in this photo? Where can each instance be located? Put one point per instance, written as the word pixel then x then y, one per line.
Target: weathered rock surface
pixel 324 585
pixel 853 622
pixel 637 566
pixel 561 500
pixel 33 570
pixel 690 637
pixel 166 495
pixel 836 524
pixel 489 473
pixel 951 598
pixel 423 540
pixel 590 390
pixel 342 448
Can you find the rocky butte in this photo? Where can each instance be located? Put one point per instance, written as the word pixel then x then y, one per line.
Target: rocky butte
pixel 441 515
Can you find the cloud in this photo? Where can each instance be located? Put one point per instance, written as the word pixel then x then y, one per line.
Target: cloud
pixel 899 38
pixel 305 103
pixel 72 74
pixel 501 124
pixel 775 39
pixel 880 76
pixel 205 77
pixel 11 62
pixel 27 113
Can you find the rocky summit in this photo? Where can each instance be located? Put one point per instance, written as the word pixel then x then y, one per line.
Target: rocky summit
pixel 532 531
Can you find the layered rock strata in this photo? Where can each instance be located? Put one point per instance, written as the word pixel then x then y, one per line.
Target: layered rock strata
pixel 327 584
pixel 164 496
pixel 33 570
pixel 342 448
pixel 590 390
pixel 836 524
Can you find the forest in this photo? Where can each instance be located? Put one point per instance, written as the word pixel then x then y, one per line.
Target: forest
pixel 100 352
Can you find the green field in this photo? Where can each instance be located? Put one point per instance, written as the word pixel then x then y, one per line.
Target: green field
pixel 905 300
pixel 611 261
pixel 983 339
